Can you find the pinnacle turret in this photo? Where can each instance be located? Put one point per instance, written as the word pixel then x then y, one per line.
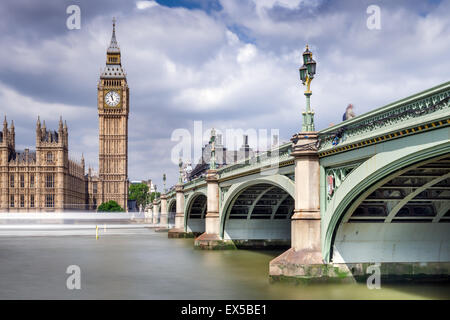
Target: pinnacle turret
pixel 60 126
pixel 113 45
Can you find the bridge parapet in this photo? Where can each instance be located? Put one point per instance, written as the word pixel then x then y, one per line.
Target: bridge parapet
pixel 423 111
pixel 171 193
pixel 263 161
pixel 194 184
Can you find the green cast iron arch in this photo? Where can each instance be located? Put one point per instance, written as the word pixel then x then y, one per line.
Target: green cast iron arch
pixel 188 204
pixel 367 177
pixel 280 181
pixel 170 203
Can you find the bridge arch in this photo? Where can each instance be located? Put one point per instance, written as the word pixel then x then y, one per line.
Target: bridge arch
pixel 258 209
pixel 342 223
pixel 195 212
pixel 171 211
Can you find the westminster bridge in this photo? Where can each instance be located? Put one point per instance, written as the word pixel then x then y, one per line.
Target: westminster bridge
pixel 372 189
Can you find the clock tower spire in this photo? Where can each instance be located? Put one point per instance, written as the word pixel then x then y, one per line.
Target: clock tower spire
pixel 113 110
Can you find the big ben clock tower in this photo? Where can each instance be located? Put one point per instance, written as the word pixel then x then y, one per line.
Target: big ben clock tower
pixel 113 109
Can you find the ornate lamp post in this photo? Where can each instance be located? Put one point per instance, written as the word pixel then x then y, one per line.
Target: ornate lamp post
pixel 163 221
pixel 212 142
pixel 164 183
pixel 180 165
pixel 307 72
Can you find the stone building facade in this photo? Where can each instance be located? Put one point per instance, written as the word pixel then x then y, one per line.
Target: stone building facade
pixel 44 179
pixel 47 180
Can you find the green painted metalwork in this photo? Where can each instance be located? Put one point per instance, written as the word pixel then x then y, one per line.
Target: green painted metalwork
pixel 164 183
pixel 189 199
pixel 212 142
pixel 280 181
pixel 379 160
pixel 338 175
pixel 263 162
pixel 307 72
pixel 171 202
pixel 432 105
pixel 381 167
pixel 180 177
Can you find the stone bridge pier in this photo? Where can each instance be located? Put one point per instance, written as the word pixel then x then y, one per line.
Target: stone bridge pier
pixel 306 220
pixel 155 212
pixel 178 231
pixel 149 214
pixel 163 217
pixel 211 238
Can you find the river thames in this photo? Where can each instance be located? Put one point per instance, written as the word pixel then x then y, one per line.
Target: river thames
pixel 143 264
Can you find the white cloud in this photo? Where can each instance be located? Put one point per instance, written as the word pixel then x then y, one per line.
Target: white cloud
pixel 232 69
pixel 290 4
pixel 19 106
pixel 141 5
pixel 247 53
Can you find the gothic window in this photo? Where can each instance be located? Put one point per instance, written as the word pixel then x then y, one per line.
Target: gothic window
pixel 12 201
pixel 49 182
pixel 32 181
pixel 22 181
pixel 22 201
pixel 94 187
pixel 49 157
pixel 49 200
pixel 12 181
pixel 32 201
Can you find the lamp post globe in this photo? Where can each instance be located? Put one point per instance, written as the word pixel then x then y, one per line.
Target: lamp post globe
pixel 307 72
pixel 303 71
pixel 311 67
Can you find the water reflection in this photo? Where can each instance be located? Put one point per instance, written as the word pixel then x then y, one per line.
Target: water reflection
pixel 150 266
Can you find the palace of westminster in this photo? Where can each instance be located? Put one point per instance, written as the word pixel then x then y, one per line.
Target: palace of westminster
pixel 47 180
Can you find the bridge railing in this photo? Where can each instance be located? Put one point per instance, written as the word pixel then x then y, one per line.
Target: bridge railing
pixel 194 183
pixel 262 161
pixel 430 106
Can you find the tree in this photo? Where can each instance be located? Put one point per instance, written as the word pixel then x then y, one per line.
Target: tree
pixel 139 192
pixel 110 206
pixel 153 196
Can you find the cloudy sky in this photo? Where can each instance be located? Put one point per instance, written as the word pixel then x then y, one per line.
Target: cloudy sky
pixel 227 63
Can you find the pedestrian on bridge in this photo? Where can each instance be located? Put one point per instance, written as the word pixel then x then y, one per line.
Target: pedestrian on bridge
pixel 348 113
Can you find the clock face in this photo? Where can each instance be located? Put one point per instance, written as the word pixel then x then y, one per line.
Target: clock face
pixel 112 98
